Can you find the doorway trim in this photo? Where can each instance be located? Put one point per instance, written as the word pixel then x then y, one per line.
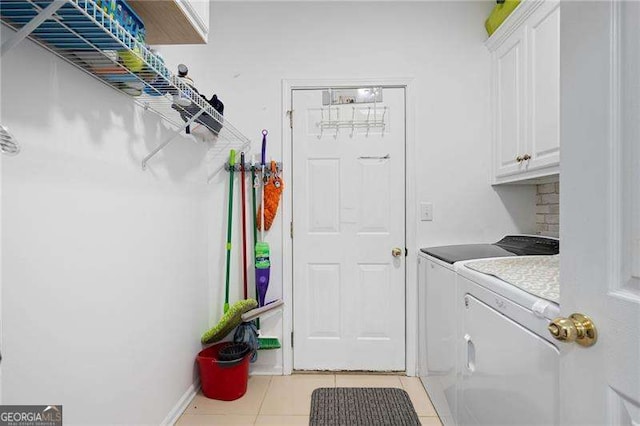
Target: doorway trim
pixel 411 216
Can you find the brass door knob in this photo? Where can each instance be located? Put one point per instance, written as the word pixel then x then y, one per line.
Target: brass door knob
pixel 396 252
pixel 519 159
pixel 526 157
pixel 577 328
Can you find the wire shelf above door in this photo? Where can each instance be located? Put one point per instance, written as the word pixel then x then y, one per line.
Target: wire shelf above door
pixel 81 33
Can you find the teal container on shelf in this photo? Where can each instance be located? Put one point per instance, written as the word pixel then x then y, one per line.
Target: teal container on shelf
pixel 121 12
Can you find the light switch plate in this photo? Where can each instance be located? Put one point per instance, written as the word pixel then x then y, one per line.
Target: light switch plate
pixel 426 212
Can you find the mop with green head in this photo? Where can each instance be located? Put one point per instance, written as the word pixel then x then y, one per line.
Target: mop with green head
pixel 261 256
pixel 232 315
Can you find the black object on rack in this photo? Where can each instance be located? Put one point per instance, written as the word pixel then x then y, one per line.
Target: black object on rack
pixel 214 125
pixel 186 112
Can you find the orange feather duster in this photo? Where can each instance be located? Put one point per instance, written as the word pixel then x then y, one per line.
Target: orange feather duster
pixel 272 192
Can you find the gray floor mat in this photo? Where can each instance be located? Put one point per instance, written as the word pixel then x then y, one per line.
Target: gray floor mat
pixel 361 406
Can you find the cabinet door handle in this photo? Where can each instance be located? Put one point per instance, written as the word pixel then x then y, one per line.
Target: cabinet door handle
pixel 526 157
pixel 519 159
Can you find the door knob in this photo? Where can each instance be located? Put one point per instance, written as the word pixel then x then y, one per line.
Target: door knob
pixel 577 328
pixel 396 252
pixel 526 157
pixel 519 159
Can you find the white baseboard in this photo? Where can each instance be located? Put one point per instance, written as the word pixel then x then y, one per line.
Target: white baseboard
pixel 263 370
pixel 182 404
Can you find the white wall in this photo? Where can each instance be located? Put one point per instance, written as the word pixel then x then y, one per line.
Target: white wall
pixel 253 46
pixel 104 266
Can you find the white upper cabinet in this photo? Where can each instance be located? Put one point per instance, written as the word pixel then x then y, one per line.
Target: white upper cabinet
pixel 525 54
pixel 174 21
pixel 509 77
pixel 544 87
pixel 198 13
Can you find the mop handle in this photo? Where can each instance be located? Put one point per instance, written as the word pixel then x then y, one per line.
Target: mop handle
pixel 255 226
pixel 232 164
pixel 255 210
pixel 244 225
pixel 264 162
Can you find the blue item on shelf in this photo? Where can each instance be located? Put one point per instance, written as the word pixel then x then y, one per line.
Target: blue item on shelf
pixel 120 78
pixel 56 32
pixel 159 87
pixel 74 30
pixel 125 16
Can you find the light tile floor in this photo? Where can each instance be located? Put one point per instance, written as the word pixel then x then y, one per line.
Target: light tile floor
pixel 286 400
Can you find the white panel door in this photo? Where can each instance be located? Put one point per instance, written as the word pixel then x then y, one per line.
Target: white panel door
pixel 509 87
pixel 348 215
pixel 600 210
pixel 544 87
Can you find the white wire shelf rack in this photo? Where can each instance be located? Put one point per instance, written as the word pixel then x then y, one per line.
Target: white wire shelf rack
pixel 81 33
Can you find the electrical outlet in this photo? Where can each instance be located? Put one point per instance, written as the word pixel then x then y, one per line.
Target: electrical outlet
pixel 426 212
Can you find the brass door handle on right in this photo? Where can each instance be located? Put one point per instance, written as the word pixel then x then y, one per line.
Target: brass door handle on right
pixel 396 252
pixel 577 328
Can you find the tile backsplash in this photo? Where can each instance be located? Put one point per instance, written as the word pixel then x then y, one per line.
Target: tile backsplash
pixel 548 209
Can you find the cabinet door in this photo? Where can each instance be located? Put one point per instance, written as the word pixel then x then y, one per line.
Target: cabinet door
pixel 509 114
pixel 174 21
pixel 543 141
pixel 198 13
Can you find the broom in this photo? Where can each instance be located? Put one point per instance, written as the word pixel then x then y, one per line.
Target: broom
pixel 232 316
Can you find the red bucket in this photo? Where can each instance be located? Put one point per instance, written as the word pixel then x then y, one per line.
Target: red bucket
pixel 223 380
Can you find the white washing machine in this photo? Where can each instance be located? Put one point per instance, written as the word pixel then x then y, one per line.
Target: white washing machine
pixel 438 322
pixel 508 363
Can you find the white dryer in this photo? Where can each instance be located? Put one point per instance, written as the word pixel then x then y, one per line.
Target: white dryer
pixel 507 360
pixel 438 322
